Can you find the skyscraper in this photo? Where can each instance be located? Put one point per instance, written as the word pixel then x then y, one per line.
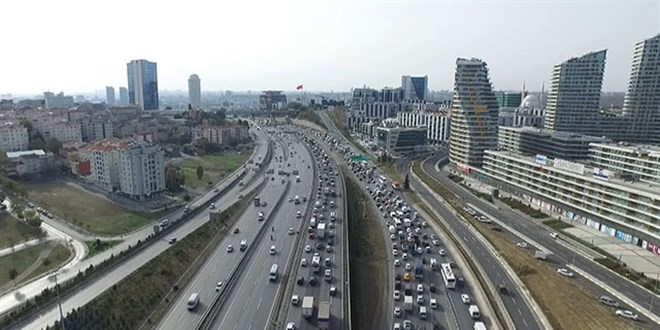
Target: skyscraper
pixel 575 94
pixel 194 91
pixel 473 114
pixel 143 84
pixel 414 88
pixel 110 95
pixel 642 101
pixel 123 96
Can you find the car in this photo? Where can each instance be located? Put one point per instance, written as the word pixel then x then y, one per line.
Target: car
pixel 290 326
pixel 295 299
pixel 291 231
pixel 273 250
pixel 397 311
pixel 425 224
pixel 216 190
pixel 432 287
pixel 404 256
pixel 554 235
pixel 172 240
pixel 565 272
pixel 522 245
pixel 236 230
pixel 319 246
pixel 230 248
pixel 308 248
pixel 408 266
pixel 627 314
pixel 420 288
pixel 397 262
pixel 328 249
pixel 212 206
pixel 395 252
pixel 397 295
pixel 303 262
pixel 465 299
pixel 312 280
pixel 406 276
pixel 290 199
pixel 397 326
pixel 311 236
pixel 301 280
pixel 333 290
pixel 436 242
pixel 442 252
pixel 392 237
pixel 407 325
pixel 420 299
pixel 264 203
pixel 218 286
pixel 240 196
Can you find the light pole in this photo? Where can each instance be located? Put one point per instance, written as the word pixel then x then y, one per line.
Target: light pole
pixel 59 300
pixel 655 287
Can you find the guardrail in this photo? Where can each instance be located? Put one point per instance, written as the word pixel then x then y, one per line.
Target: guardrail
pixel 347 271
pixel 214 308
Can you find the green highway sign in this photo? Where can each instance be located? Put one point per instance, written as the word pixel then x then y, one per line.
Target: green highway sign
pixel 358 158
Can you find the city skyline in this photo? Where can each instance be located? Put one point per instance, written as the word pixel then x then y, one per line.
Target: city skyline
pixel 525 41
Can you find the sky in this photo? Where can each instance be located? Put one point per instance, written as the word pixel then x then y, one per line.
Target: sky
pixel 83 45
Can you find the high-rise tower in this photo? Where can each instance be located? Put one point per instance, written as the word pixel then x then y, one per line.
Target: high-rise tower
pixel 473 114
pixel 110 95
pixel 414 88
pixel 574 95
pixel 143 84
pixel 194 91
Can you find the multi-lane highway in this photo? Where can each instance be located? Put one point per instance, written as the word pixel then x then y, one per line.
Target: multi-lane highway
pixel 97 286
pixel 540 235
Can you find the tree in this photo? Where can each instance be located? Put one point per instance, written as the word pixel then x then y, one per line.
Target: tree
pixel 406 183
pixel 13 273
pixel 53 145
pixel 200 172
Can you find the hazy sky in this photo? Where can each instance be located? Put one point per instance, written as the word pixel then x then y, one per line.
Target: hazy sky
pixel 82 46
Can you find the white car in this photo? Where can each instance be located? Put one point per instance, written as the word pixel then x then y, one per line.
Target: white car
pixel 465 298
pixel 522 245
pixel 397 311
pixel 392 237
pixel 420 288
pixel 554 235
pixel 420 300
pixel 294 299
pixel 565 272
pixel 397 262
pixel 627 314
pixel 308 248
pixel 397 326
pixel 397 295
pixel 291 231
pixel 408 266
pixel 442 252
pixel 433 303
pixel 218 286
pixel 230 248
pixel 290 326
pixel 396 253
pixel 405 256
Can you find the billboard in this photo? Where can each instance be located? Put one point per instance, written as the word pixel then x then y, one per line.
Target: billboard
pixel 601 174
pixel 541 159
pixel 463 168
pixel 568 166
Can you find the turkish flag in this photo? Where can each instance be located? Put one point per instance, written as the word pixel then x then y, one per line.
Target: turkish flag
pixel 299 87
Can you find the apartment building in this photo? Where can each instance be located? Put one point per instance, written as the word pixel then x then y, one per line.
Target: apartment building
pixel 27 162
pixel 220 134
pixel 13 136
pixel 546 142
pixel 63 131
pixel 436 123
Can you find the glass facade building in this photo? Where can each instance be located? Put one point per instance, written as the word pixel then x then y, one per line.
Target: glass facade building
pixel 143 84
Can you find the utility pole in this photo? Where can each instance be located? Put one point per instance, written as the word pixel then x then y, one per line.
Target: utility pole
pixel 59 300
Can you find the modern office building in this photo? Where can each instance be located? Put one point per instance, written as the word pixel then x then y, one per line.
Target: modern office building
pixel 632 162
pixel 13 137
pixel 546 143
pixel 642 100
pixel 194 91
pixel 573 100
pixel 397 140
pixel 143 84
pixel 474 113
pixel 437 123
pixel 272 100
pixel 415 88
pixel 509 99
pixel 110 95
pixel 594 197
pixel 123 96
pixel 58 101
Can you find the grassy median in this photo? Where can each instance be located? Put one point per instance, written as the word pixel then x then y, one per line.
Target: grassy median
pixel 565 303
pixel 368 262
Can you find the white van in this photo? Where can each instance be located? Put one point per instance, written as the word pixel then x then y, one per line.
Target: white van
pixel 609 301
pixel 193 301
pixel 474 311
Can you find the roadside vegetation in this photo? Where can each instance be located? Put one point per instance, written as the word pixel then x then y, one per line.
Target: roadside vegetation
pixel 130 303
pixel 56 258
pixel 368 262
pixel 98 246
pixel 28 263
pixel 13 231
pixel 313 117
pixel 566 303
pixel 338 117
pixel 88 211
pixel 213 168
pixel 518 205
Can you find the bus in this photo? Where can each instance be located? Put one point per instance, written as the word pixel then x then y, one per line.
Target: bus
pixel 448 276
pixel 395 186
pixel 382 179
pixel 273 273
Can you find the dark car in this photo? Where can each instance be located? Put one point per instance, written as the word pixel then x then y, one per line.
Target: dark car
pixel 236 230
pixel 432 287
pixel 301 280
pixel 312 280
pixel 319 246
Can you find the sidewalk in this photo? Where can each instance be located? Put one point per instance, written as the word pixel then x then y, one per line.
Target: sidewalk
pixel 22 246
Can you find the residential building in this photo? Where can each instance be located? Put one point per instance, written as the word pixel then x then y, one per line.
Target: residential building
pixel 633 162
pixel 222 135
pixel 415 88
pixel 63 131
pixel 143 84
pixel 573 100
pixel 13 137
pixel 194 91
pixel 474 113
pixel 123 96
pixel 398 140
pixel 110 95
pixel 58 101
pixel 97 128
pixel 436 123
pixel 545 142
pixel 27 162
pixel 594 197
pixel 271 100
pixel 373 105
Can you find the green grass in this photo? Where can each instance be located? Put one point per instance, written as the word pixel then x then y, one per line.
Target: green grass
pixel 88 211
pixel 311 116
pixel 57 256
pixel 14 231
pixel 518 205
pixel 96 247
pixel 215 168
pixel 557 225
pixel 19 261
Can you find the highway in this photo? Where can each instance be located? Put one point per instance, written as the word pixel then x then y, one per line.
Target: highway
pixel 328 178
pixel 541 234
pixel 98 285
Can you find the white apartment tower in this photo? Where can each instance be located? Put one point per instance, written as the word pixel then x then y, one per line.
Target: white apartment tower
pixel 575 94
pixel 474 114
pixel 13 137
pixel 109 95
pixel 194 91
pixel 141 171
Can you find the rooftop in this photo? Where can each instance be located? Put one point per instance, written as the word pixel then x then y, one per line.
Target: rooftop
pixel 16 154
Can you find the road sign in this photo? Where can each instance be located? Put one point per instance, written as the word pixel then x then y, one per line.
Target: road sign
pixel 358 158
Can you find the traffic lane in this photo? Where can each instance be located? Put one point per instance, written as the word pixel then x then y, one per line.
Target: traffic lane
pixel 564 254
pixel 521 314
pixel 218 267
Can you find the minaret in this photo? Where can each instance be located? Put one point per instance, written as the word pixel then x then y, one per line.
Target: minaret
pixel 541 103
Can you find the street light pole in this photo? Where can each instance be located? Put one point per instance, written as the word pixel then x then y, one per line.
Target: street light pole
pixel 59 300
pixel 655 287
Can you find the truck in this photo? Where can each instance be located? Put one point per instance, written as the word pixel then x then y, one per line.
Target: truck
pixel 408 303
pixel 307 307
pixel 323 316
pixel 320 231
pixel 257 201
pixel 419 268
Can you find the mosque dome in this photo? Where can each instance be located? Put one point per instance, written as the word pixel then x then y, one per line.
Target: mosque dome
pixel 531 102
